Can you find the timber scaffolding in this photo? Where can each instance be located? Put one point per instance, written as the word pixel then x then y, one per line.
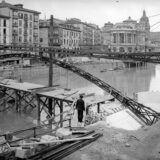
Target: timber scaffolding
pixel 24 97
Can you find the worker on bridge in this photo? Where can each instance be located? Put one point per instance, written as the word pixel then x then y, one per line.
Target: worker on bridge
pixel 80 106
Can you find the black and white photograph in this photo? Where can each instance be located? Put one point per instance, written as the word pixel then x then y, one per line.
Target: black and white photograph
pixel 79 80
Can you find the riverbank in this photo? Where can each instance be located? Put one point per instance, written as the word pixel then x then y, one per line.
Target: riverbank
pixel 118 144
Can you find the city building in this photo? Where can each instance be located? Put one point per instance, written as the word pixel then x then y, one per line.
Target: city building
pixel 4 29
pixel 90 37
pixel 64 35
pixel 23 23
pixel 127 36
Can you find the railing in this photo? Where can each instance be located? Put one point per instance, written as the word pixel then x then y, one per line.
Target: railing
pixel 33 132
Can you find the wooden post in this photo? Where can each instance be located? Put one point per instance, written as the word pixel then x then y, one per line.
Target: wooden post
pixel 39 109
pixel 98 108
pixel 17 100
pixel 50 82
pixel 4 98
pixel 61 111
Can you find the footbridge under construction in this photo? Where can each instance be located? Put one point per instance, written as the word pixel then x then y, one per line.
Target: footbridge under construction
pixel 144 113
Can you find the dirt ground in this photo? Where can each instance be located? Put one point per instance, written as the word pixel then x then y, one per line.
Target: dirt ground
pixel 117 144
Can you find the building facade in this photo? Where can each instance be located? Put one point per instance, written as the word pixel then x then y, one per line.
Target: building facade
pixel 4 29
pixel 128 36
pixel 64 35
pixel 23 23
pixel 90 33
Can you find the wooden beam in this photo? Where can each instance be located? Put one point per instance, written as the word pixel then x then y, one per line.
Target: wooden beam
pixel 39 109
pixel 61 111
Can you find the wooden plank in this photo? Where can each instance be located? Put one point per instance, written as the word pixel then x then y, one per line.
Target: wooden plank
pixel 58 141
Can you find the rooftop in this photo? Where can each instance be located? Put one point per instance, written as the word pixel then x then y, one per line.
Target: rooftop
pixel 4 16
pixel 4 4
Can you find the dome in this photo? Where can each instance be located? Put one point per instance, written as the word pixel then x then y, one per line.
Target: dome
pixel 129 20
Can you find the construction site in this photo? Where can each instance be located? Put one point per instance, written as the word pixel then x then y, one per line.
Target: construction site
pixel 114 125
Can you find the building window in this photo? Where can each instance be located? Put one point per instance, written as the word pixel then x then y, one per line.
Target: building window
pixel 20 23
pixel 20 39
pixel 25 16
pixel 114 49
pixel 20 31
pixel 41 39
pixel 20 15
pixel 4 40
pixel 30 31
pixel 129 38
pixel 121 36
pixel 129 49
pixel 121 49
pixel 25 39
pixel 4 23
pixel 31 18
pixel 4 32
pixel 114 38
pixel 30 24
pixel 30 39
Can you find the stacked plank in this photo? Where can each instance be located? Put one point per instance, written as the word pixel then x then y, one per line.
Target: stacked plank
pixel 59 151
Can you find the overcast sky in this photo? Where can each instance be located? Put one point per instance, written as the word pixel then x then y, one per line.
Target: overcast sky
pixel 96 11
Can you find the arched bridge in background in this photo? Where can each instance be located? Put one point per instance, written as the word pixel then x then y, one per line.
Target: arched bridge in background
pixel 146 114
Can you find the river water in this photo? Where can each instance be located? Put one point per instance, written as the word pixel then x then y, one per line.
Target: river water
pixel 128 80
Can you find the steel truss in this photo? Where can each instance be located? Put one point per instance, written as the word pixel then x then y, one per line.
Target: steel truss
pixel 146 114
pixel 30 51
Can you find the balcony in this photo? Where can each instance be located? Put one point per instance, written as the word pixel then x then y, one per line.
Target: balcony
pixel 36 27
pixel 14 33
pixel 25 17
pixel 25 33
pixel 35 34
pixel 36 19
pixel 15 24
pixel 15 16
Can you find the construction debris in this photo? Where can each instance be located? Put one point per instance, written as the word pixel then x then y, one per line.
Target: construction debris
pixel 48 146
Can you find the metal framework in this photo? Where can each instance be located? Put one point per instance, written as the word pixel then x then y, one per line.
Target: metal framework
pixel 146 114
pixel 31 51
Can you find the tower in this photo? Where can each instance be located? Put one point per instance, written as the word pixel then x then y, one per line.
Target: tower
pixel 145 30
pixel 144 22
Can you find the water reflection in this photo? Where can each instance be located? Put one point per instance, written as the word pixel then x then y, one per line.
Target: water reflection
pixel 155 80
pixel 128 81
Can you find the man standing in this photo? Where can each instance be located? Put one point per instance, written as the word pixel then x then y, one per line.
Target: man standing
pixel 80 106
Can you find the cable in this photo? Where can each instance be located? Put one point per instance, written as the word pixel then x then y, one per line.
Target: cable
pixel 155 24
pixel 155 28
pixel 154 15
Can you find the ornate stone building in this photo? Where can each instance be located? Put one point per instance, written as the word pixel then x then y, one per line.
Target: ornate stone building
pixel 127 36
